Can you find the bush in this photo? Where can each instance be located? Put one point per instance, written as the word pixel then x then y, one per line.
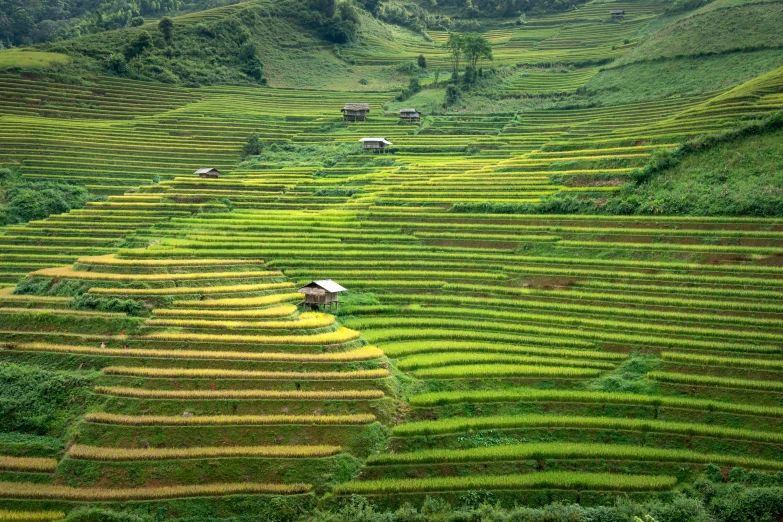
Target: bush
pixel 104 304
pixel 26 201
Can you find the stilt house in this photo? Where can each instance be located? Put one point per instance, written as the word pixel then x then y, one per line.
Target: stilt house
pixel 355 111
pixel 321 293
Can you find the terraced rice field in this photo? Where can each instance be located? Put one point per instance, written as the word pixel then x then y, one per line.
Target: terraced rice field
pixel 511 330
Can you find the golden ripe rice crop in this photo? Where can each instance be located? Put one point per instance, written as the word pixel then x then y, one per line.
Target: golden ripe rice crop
pixel 188 373
pixel 27 464
pixel 241 302
pixel 276 311
pixel 359 354
pixel 227 420
pixel 67 273
pixel 80 451
pixel 112 259
pixel 342 335
pixel 24 490
pixel 141 393
pixel 307 320
pixel 184 290
pixel 30 516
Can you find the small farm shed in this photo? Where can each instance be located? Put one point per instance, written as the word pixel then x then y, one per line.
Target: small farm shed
pixel 410 115
pixel 321 293
pixel 617 13
pixel 376 144
pixel 208 173
pixel 355 111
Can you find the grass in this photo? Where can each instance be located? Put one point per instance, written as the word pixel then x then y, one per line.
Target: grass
pixel 544 480
pixel 80 451
pixel 721 382
pixel 30 59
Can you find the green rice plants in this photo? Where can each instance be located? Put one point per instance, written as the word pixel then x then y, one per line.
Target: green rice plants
pixel 141 393
pixel 447 359
pixel 403 348
pixel 80 451
pixel 721 382
pixel 25 490
pixel 559 450
pixel 488 371
pixel 533 395
pixel 459 425
pixel 543 480
pixel 712 360
pixel 227 420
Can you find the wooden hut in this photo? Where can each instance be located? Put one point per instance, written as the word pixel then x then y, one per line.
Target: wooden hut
pixel 321 293
pixel 377 145
pixel 208 173
pixel 355 111
pixel 410 115
pixel 617 13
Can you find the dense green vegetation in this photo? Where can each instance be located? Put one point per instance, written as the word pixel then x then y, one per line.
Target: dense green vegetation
pixel 23 23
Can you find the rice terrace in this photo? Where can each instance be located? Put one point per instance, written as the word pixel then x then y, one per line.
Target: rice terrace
pixel 391 260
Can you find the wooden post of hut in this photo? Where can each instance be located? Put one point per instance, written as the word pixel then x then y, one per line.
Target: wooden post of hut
pixel 355 111
pixel 410 115
pixel 377 145
pixel 322 293
pixel 617 13
pixel 208 173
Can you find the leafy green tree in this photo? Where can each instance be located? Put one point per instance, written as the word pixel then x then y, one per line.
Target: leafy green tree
pixel 455 46
pixel 476 48
pixel 138 45
pixel 253 146
pixel 137 21
pixel 166 26
pixel 422 61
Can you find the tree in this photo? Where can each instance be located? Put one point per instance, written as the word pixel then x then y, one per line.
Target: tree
pixel 137 21
pixel 252 147
pixel 454 45
pixel 141 43
pixel 476 47
pixel 166 26
pixel 422 61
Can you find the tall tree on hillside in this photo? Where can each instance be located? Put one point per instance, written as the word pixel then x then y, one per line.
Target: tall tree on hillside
pixel 476 48
pixel 455 45
pixel 166 26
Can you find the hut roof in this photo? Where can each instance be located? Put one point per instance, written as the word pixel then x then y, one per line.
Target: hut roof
pixel 321 286
pixel 207 171
pixel 617 11
pixel 356 107
pixel 407 110
pixel 382 140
